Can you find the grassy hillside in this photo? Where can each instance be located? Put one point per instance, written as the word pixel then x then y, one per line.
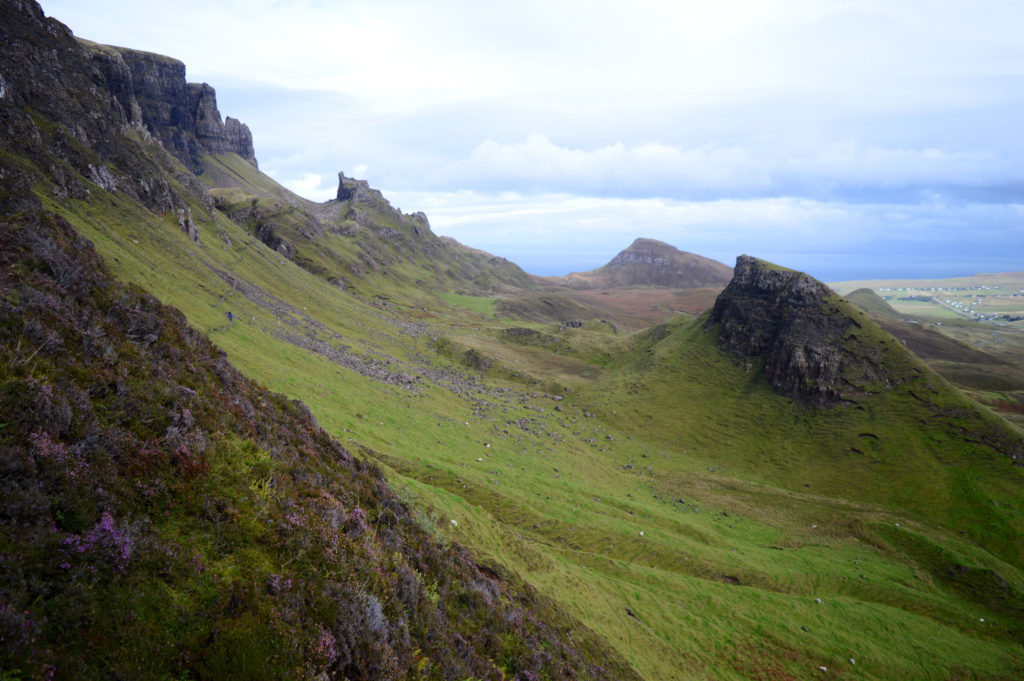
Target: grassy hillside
pixel 165 517
pixel 983 358
pixel 361 243
pixel 645 487
pixel 751 508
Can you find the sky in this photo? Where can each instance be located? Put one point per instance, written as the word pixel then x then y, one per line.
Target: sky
pixel 851 140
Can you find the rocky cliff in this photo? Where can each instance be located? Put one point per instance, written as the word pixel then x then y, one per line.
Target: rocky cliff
pixel 815 347
pixel 822 352
pixel 648 262
pixel 69 120
pixel 366 206
pixel 152 89
pixel 78 116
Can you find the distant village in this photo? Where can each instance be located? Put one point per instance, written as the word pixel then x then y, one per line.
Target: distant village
pixel 965 301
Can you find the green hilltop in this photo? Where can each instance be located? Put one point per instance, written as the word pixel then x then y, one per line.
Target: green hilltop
pixel 488 476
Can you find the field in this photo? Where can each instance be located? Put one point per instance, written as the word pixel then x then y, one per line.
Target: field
pixel 993 298
pixel 675 498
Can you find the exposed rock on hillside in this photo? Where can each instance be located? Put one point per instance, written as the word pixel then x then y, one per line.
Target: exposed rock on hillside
pixel 804 334
pixel 151 89
pixel 821 351
pixel 367 207
pixel 66 107
pixel 218 138
pixel 386 236
pixel 648 262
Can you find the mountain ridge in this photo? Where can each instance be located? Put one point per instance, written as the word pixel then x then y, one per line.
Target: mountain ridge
pixel 670 513
pixel 649 262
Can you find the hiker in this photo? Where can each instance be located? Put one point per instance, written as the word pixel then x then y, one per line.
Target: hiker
pixel 231 317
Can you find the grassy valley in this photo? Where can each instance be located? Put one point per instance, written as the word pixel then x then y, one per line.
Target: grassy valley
pixel 554 448
pixel 580 482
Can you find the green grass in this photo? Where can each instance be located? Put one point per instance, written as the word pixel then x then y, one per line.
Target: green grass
pixel 750 507
pixel 481 305
pixel 924 310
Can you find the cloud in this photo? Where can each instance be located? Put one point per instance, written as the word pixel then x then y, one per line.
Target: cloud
pixel 310 185
pixel 843 130
pixel 558 233
pixel 712 171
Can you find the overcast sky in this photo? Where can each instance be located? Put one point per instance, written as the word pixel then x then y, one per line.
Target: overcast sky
pixel 847 139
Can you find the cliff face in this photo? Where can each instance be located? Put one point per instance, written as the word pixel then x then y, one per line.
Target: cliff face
pixel 214 136
pixel 182 115
pixel 58 115
pixel 364 204
pixel 648 262
pixel 809 340
pixel 66 104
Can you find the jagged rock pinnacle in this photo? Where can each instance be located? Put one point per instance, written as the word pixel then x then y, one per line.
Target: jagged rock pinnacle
pixel 795 326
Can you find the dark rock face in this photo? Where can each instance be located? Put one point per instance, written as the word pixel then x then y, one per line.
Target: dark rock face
pixel 66 106
pixel 218 138
pixel 396 235
pixel 183 116
pixel 154 96
pixel 787 321
pixel 90 95
pixel 364 197
pixel 821 351
pixel 158 85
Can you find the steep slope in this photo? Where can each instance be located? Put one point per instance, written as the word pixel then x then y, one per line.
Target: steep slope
pixel 875 417
pixel 652 487
pixel 63 126
pixel 152 92
pixel 967 367
pixel 164 516
pixel 805 336
pixel 84 113
pixel 648 262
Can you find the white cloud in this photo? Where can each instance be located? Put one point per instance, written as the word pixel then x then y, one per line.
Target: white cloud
pixel 311 186
pixel 556 233
pixel 655 169
pixel 840 124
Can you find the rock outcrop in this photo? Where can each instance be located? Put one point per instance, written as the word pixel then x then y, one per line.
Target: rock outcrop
pixel 182 115
pixel 805 336
pixel 821 351
pixel 648 262
pixel 66 108
pixel 154 96
pixel 366 205
pixel 214 136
